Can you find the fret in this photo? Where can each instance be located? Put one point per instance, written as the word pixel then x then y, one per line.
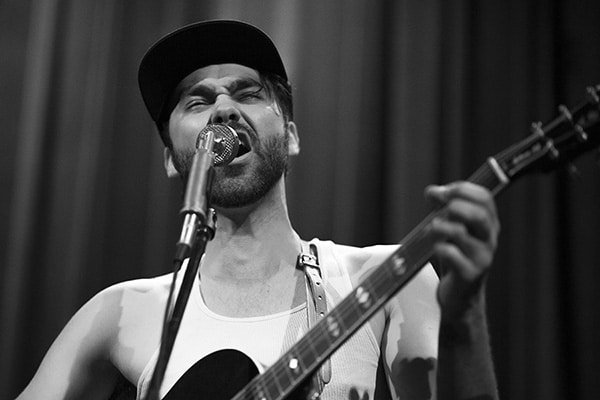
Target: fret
pixel 304 353
pixel 258 394
pixel 354 309
pixel 334 318
pixel 271 386
pixel 290 369
pixel 293 370
pixel 320 341
pixel 310 342
pixel 294 366
pixel 324 333
pixel 348 311
pixel 255 390
pixel 334 327
pixel 286 375
pixel 285 378
pixel 382 281
pixel 363 297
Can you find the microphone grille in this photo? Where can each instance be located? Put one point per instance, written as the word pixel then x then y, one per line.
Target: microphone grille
pixel 225 144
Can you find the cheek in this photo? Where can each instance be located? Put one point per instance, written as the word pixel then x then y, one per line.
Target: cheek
pixel 184 132
pixel 274 109
pixel 268 118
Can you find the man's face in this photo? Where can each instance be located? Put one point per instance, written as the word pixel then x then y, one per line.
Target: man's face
pixel 231 94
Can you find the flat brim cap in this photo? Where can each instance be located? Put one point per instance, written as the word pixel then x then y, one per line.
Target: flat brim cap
pixel 198 45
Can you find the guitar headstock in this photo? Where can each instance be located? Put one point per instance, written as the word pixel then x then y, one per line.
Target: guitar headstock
pixel 572 133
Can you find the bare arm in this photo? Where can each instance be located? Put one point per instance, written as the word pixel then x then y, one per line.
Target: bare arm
pixel 465 368
pixel 467 240
pixel 411 338
pixel 77 365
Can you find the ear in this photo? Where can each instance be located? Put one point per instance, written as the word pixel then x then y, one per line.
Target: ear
pixel 293 139
pixel 168 161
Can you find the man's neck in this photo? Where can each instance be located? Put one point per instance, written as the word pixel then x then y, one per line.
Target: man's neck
pixel 249 267
pixel 255 243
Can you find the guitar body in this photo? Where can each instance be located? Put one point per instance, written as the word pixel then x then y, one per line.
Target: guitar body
pixel 218 376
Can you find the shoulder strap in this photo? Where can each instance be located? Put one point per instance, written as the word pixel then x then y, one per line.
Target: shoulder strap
pixel 308 261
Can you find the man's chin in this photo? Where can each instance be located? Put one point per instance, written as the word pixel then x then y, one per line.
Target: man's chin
pixel 238 198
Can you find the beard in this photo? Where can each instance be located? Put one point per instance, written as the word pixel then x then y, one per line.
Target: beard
pixel 239 185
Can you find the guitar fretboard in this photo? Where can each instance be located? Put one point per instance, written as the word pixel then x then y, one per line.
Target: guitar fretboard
pixel 305 357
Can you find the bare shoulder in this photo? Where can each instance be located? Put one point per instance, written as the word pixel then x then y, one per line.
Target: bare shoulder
pixel 103 338
pixel 135 309
pixel 122 304
pixel 358 262
pixel 130 292
pixel 415 304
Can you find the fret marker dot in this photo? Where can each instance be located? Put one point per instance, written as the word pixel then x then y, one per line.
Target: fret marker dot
pixel 399 265
pixel 333 327
pixel 363 297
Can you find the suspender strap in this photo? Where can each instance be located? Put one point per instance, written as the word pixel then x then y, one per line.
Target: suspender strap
pixel 308 261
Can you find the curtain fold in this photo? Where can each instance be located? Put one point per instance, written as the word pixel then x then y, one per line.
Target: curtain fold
pixel 26 176
pixel 389 96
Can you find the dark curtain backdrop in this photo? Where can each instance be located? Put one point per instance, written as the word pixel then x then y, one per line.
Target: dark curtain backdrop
pixel 390 96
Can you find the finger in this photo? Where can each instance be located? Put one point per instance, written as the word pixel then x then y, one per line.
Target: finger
pixel 452 259
pixel 469 203
pixel 461 284
pixel 479 222
pixel 455 234
pixel 462 190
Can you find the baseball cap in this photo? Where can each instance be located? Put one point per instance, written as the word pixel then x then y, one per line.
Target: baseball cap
pixel 197 45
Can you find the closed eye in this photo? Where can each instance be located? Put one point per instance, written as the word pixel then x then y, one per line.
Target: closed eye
pixel 196 102
pixel 250 95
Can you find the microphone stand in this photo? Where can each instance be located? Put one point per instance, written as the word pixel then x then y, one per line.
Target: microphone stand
pixel 198 228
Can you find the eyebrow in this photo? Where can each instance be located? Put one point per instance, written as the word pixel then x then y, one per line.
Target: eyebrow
pixel 238 84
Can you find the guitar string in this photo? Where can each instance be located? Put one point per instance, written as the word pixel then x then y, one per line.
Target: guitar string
pixel 482 175
pixel 272 377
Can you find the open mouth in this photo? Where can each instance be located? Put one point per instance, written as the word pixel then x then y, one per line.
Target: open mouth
pixel 244 138
pixel 244 145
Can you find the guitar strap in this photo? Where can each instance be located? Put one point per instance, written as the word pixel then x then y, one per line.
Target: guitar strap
pixel 308 261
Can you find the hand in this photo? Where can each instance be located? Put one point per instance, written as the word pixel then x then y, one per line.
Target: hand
pixel 466 236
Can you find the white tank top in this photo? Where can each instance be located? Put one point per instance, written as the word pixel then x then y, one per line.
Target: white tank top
pixel 264 339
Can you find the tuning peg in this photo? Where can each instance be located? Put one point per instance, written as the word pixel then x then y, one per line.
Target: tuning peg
pixel 536 127
pixel 553 152
pixel 582 136
pixel 565 112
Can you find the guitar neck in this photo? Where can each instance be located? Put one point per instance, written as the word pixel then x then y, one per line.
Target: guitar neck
pixel 305 357
pixel 570 134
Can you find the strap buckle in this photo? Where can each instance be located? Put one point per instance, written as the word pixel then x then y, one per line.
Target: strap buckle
pixel 317 308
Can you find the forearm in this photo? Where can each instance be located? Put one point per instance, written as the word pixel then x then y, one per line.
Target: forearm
pixel 465 366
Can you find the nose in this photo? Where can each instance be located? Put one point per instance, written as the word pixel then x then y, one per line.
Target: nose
pixel 224 111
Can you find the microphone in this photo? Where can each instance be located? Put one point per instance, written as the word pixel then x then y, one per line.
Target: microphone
pixel 226 143
pixel 216 145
